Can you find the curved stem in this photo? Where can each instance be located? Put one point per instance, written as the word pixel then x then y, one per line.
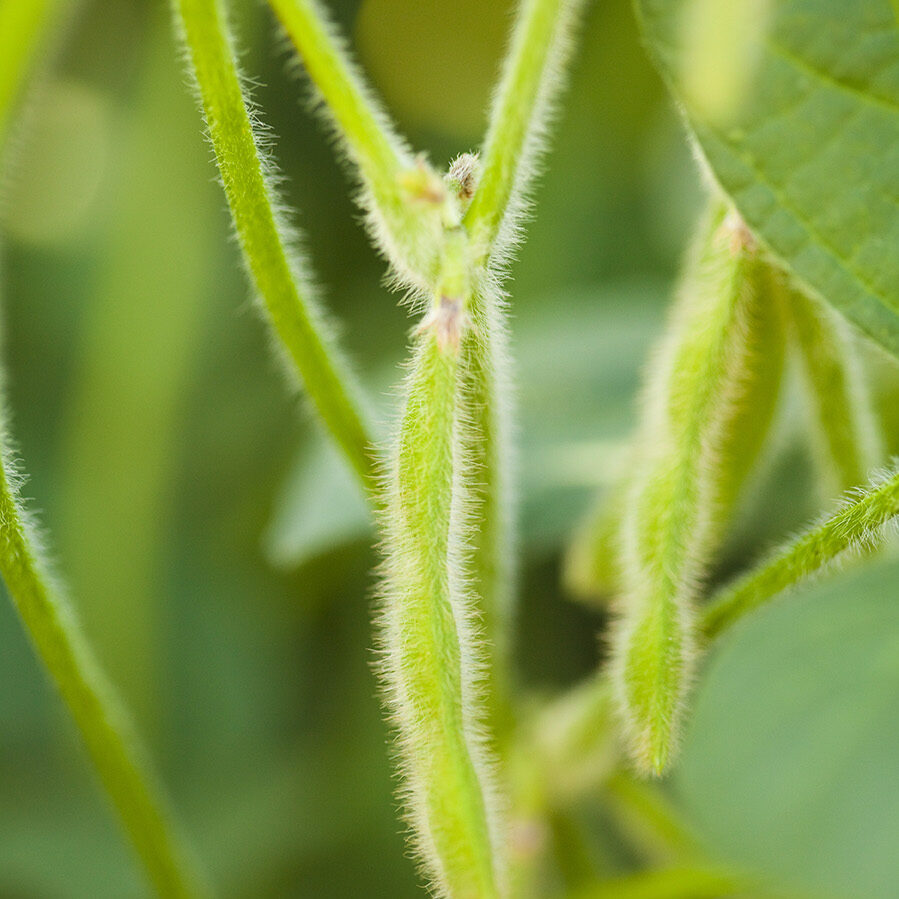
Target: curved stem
pixel 102 721
pixel 288 297
pixel 531 76
pixel 407 230
pixel 856 525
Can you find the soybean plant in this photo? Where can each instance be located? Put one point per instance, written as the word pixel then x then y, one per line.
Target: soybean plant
pixel 768 279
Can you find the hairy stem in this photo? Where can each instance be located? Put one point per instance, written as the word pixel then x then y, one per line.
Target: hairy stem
pixel 531 76
pixel 857 525
pixel 287 295
pixel 97 712
pixel 405 221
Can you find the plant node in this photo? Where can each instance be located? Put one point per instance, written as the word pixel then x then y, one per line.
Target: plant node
pixel 422 184
pixel 448 320
pixel 463 176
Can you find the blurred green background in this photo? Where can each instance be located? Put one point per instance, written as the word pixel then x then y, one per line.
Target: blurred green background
pixel 216 553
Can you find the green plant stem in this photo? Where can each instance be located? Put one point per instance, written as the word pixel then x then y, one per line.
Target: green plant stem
pixel 23 29
pixel 648 818
pixel 531 75
pixel 573 739
pixel 431 653
pixel 288 297
pixel 103 724
pixel 408 232
pixel 856 525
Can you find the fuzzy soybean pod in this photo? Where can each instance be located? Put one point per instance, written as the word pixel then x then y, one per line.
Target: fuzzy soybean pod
pixel 671 520
pixel 432 655
pixel 592 570
pixel 843 428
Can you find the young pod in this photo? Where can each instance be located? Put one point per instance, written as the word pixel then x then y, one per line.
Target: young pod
pixel 592 569
pixel 709 400
pixel 488 453
pixel 433 658
pixel 842 425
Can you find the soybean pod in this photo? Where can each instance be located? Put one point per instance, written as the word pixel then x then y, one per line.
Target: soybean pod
pixel 698 419
pixel 433 659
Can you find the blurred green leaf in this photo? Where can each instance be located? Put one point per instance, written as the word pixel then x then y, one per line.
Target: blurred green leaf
pixel 808 144
pixel 319 508
pixel 580 355
pixel 789 765
pixel 136 352
pixel 57 174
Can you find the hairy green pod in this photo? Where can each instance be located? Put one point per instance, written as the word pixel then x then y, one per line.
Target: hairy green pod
pixel 748 421
pixel 487 449
pixel 681 478
pixel 843 428
pixel 592 570
pixel 432 655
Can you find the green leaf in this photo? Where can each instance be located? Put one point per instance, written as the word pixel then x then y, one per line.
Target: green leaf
pixel 789 764
pixel 808 144
pixel 319 508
